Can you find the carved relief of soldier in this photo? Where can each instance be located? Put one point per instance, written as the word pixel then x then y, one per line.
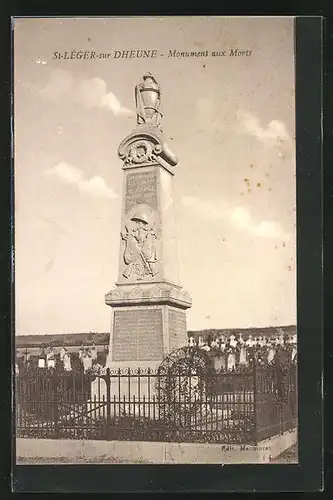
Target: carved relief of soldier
pixel 140 251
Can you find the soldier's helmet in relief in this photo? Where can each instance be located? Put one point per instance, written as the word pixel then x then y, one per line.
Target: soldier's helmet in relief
pixel 141 216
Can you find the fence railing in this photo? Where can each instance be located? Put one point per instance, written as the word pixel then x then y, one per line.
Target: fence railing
pixel 238 407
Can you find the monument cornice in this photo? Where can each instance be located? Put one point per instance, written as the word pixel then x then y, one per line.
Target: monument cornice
pixel 145 146
pixel 144 302
pixel 155 294
pixel 159 283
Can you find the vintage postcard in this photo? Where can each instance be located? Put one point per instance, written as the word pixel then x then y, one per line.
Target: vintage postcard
pixel 155 240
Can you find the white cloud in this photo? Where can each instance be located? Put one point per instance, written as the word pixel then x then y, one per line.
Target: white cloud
pixel 111 102
pixel 93 92
pixel 241 217
pixel 39 61
pixel 60 83
pixel 66 172
pixel 275 133
pixel 95 187
pixel 90 93
pixel 270 229
pixel 238 217
pixel 216 211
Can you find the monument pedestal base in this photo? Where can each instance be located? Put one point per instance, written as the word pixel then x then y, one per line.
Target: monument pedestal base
pixel 148 322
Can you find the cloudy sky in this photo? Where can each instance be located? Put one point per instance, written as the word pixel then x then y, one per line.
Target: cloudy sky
pixel 229 120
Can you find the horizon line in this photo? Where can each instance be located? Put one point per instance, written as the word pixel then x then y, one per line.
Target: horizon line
pixel 189 330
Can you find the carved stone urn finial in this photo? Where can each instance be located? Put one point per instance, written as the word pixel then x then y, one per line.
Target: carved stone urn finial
pixel 148 100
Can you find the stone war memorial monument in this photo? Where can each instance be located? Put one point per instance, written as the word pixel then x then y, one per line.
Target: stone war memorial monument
pixel 148 304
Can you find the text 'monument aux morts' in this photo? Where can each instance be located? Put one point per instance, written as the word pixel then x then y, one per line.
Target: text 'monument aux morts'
pixel 150 54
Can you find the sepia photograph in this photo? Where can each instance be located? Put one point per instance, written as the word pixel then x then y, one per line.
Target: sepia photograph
pixel 154 252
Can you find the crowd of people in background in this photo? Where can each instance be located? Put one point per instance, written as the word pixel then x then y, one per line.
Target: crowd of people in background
pixel 235 350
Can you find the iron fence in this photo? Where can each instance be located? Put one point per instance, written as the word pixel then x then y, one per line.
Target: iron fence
pixel 242 407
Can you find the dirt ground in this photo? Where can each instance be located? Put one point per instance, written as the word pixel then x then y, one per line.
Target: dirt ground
pixel 64 460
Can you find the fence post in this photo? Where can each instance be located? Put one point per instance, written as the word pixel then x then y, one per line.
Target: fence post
pixel 108 402
pixel 281 401
pixel 293 392
pixel 255 395
pixel 55 406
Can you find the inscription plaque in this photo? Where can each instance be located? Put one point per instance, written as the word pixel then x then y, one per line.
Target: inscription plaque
pixel 177 328
pixel 141 187
pixel 137 335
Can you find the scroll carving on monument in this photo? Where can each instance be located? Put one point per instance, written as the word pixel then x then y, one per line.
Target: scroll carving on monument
pixel 142 151
pixel 140 234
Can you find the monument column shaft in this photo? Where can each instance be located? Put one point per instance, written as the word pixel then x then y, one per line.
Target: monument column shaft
pixel 151 186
